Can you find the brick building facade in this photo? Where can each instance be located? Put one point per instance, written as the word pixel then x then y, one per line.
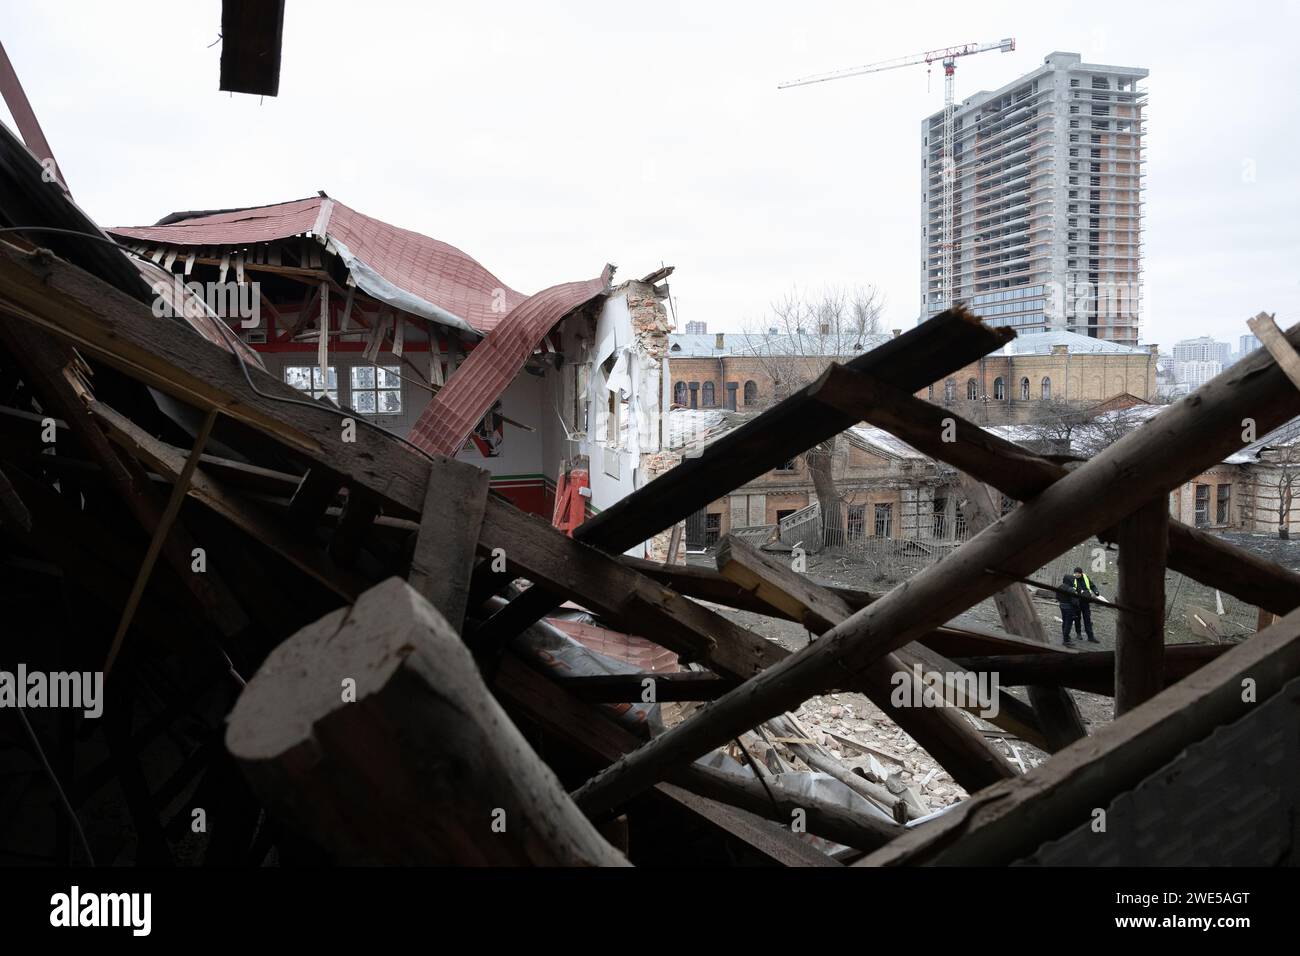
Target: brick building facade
pixel 734 371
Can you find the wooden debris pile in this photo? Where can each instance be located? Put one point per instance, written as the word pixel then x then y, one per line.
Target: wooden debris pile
pixel 310 630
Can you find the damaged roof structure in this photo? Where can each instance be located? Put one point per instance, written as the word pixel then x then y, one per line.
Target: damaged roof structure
pixel 298 612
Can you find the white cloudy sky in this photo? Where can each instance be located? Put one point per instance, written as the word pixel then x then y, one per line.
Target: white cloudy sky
pixel 548 138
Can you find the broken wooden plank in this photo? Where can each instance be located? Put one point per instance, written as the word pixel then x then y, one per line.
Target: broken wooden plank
pixel 47 362
pixel 581 726
pixel 314 494
pixel 179 491
pixel 443 562
pixel 1091 671
pixel 359 512
pixel 251 36
pixel 333 734
pixel 169 461
pixel 1271 337
pixel 707 584
pixel 12 510
pixel 1011 820
pixel 628 600
pixel 947 736
pixel 1143 539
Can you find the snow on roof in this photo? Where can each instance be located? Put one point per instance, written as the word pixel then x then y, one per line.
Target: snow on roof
pixel 1041 343
pixel 705 345
pixel 879 440
pixel 694 428
pixel 1287 434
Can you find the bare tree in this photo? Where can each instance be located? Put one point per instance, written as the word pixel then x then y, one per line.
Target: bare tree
pixel 801 337
pixel 1286 459
pixel 1055 425
pixel 1075 428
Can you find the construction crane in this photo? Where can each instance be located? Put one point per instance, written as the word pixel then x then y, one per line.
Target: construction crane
pixel 948 57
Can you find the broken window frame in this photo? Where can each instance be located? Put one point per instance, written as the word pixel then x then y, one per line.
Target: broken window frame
pixel 313 375
pixel 379 373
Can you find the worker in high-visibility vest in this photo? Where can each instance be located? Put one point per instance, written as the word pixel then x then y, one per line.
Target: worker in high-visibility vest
pixel 1083 584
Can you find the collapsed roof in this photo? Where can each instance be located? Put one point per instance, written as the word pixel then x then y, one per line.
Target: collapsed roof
pixel 399 267
pixel 406 270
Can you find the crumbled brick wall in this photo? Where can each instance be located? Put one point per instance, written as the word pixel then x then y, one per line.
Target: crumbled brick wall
pixel 652 467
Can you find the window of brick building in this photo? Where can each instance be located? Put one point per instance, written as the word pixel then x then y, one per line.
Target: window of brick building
pixel 731 395
pixel 1202 505
pixel 679 393
pixel 712 529
pixel 999 390
pixel 708 400
pixel 1024 389
pixel 972 390
pixel 884 520
pixel 751 393
pixel 857 527
pixel 1047 389
pixel 1223 511
pixel 950 390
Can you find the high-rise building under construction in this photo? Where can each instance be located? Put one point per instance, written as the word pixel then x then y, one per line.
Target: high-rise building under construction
pixel 1047 201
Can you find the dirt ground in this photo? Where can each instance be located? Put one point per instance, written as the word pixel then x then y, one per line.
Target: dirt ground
pixel 1193 616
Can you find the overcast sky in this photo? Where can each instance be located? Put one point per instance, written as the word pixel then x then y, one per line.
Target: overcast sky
pixel 546 139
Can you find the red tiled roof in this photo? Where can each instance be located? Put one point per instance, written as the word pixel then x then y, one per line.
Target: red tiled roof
pixel 433 271
pixel 415 273
pixel 646 656
pixel 446 422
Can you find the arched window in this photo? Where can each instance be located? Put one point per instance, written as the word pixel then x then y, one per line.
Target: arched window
pixel 707 400
pixel 999 390
pixel 972 390
pixel 950 390
pixel 1047 389
pixel 751 393
pixel 1024 389
pixel 679 393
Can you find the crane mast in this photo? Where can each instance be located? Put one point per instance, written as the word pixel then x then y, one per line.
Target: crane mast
pixel 948 57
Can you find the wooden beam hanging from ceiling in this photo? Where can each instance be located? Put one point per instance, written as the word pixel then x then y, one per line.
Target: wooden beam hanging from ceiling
pixel 252 32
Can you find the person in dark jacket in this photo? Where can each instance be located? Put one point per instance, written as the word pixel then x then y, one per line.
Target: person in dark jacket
pixel 1067 598
pixel 1086 589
